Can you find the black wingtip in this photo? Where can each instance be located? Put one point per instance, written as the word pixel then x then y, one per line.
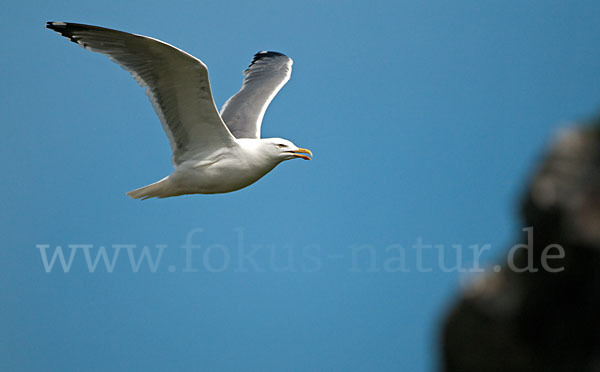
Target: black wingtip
pixel 65 29
pixel 265 54
pixel 55 25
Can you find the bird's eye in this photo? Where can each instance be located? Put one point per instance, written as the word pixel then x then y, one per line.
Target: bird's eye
pixel 281 145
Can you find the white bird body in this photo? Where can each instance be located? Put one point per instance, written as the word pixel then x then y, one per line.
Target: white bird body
pixel 225 170
pixel 212 152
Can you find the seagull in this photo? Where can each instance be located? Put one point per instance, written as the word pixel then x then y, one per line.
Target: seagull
pixel 213 152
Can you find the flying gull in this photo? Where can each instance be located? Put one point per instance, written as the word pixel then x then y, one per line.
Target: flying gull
pixel 212 152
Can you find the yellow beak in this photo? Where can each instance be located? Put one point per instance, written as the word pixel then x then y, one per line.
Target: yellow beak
pixel 303 151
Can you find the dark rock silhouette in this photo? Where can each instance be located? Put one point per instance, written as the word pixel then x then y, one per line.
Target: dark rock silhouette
pixel 547 320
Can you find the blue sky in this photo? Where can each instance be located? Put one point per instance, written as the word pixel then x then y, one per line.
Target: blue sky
pixel 425 119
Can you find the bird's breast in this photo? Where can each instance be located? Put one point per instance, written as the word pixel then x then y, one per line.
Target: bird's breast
pixel 218 175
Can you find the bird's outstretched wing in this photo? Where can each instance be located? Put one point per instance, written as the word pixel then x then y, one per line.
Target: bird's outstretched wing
pixel 176 83
pixel 267 74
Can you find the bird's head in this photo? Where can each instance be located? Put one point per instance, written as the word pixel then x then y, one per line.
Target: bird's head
pixel 283 149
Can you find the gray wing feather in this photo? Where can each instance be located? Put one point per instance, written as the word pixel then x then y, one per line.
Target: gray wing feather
pixel 267 74
pixel 176 83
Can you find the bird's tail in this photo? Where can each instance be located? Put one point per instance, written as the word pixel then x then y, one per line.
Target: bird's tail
pixel 158 189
